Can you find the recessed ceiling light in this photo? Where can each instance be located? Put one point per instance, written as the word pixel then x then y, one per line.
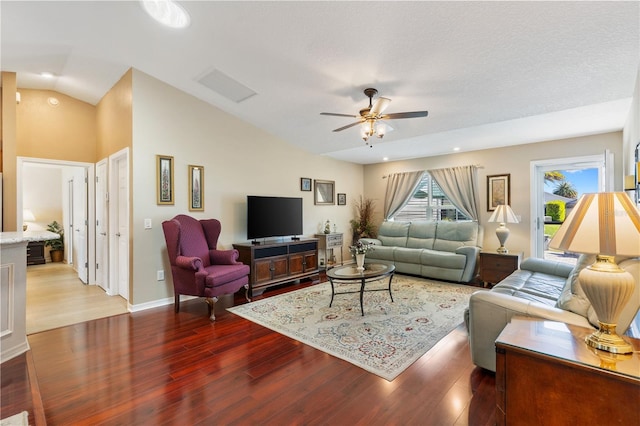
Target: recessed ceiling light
pixel 46 74
pixel 456 149
pixel 385 159
pixel 54 102
pixel 167 12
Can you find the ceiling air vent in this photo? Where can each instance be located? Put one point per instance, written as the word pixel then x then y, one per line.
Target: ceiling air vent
pixel 226 86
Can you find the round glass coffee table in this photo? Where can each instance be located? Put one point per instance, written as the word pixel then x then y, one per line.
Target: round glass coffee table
pixel 349 274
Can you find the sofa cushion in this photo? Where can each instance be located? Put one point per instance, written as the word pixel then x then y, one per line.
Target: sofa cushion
pixel 394 233
pixel 382 253
pixel 407 255
pixel 421 235
pixel 529 285
pixel 573 297
pixel 443 259
pixel 451 235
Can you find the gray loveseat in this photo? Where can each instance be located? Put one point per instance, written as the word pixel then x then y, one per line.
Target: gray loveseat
pixel 541 289
pixel 441 250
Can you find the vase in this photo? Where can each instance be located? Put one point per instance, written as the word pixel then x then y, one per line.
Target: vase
pixel 360 261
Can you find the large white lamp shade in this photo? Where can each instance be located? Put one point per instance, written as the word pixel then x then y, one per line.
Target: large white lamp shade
pixel 606 224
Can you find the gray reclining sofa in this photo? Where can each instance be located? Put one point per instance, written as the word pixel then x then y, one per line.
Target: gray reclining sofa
pixel 440 250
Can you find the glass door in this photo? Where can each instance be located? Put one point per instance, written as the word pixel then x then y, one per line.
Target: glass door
pixel 556 186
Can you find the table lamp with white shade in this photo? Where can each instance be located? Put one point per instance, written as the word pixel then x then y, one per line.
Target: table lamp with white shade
pixel 503 214
pixel 606 224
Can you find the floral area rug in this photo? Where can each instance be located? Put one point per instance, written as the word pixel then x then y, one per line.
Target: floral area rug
pixel 386 340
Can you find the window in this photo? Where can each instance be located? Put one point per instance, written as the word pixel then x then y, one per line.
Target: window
pixel 429 203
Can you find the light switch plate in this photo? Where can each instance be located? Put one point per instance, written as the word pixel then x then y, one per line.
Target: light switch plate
pixel 147 224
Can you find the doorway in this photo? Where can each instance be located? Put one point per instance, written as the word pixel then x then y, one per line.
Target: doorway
pixel 562 182
pixel 45 189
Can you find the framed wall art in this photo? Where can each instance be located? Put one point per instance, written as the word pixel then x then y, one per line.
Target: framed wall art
pixel 305 184
pixel 164 179
pixel 196 188
pixel 342 199
pixel 498 191
pixel 323 193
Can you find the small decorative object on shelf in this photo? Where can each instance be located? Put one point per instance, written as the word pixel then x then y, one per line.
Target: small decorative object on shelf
pixel 327 227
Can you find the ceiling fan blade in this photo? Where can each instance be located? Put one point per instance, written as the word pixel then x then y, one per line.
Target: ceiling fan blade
pixel 347 126
pixel 414 114
pixel 380 105
pixel 338 115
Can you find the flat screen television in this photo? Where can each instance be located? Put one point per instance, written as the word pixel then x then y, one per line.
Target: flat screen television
pixel 273 217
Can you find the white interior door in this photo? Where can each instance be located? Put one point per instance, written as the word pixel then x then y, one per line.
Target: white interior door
pixel 123 229
pixel 69 228
pixel 78 199
pixel 102 228
pixel 119 224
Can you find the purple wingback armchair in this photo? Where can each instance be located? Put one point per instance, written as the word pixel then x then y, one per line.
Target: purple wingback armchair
pixel 197 267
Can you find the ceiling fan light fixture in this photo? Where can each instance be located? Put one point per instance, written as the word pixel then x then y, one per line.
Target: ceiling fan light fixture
pixel 371 118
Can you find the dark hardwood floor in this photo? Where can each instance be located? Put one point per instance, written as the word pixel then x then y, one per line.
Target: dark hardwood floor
pixel 158 367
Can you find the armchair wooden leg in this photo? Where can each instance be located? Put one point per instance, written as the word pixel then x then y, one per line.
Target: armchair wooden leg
pixel 210 302
pixel 246 292
pixel 176 303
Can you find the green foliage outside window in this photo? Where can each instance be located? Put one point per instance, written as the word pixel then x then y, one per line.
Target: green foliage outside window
pixel 557 210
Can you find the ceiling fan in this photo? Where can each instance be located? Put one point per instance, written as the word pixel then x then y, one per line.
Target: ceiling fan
pixel 369 117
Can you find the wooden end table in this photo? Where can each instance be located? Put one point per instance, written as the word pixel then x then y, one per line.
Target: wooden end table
pixel 546 374
pixel 494 267
pixel 349 274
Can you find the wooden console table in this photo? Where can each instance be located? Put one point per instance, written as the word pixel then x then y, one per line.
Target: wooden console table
pixel 279 262
pixel 546 374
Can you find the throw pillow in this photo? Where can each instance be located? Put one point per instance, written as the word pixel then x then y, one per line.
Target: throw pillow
pixel 572 297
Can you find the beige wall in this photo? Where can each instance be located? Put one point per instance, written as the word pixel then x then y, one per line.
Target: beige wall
pixel 9 151
pixel 63 132
pixel 513 160
pixel 238 160
pixel 114 118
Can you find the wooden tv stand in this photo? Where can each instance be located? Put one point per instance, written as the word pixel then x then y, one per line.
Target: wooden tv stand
pixel 274 263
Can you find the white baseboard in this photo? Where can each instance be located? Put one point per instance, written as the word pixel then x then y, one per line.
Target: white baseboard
pixel 156 303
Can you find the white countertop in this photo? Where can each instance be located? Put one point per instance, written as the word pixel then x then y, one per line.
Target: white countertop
pixel 27 236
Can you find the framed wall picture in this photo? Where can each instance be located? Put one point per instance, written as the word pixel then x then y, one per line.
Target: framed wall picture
pixel 305 184
pixel 498 191
pixel 342 199
pixel 323 193
pixel 196 188
pixel 164 179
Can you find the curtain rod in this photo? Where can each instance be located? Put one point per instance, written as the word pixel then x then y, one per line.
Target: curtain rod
pixel 476 165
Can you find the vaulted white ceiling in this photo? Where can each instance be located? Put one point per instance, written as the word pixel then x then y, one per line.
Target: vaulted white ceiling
pixel 489 73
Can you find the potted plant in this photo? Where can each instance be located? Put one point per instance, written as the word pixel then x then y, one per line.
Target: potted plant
pixel 362 226
pixel 358 250
pixel 57 245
